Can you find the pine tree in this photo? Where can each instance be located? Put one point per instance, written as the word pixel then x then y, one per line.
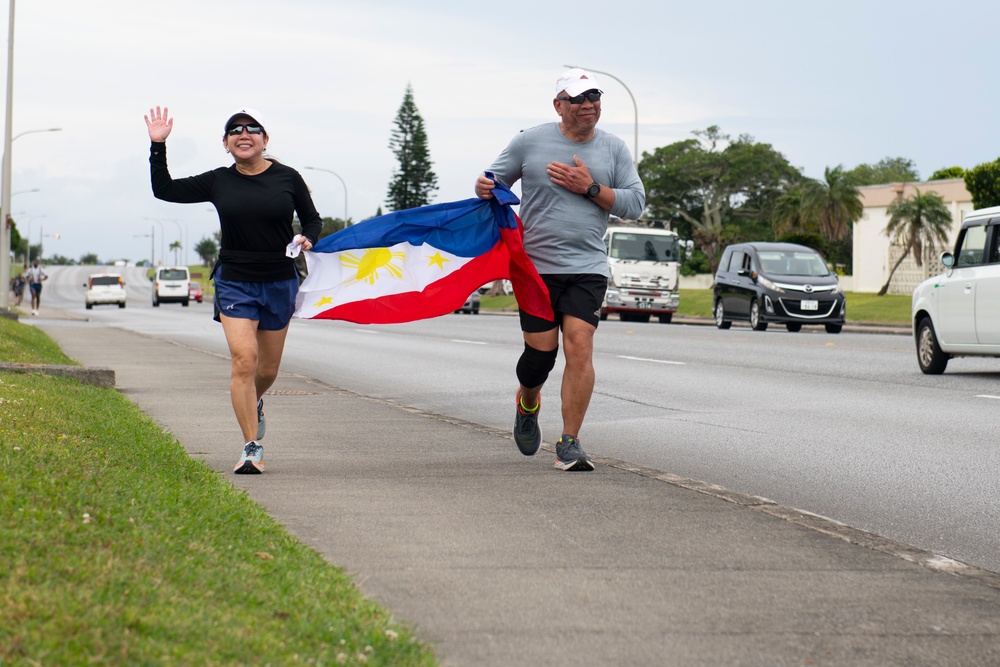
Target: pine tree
pixel 414 182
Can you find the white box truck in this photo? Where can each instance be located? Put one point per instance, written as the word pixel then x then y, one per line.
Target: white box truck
pixel 645 271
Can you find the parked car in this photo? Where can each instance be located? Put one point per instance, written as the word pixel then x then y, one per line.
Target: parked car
pixel 171 285
pixel 955 314
pixel 105 288
pixel 784 283
pixel 471 304
pixel 195 292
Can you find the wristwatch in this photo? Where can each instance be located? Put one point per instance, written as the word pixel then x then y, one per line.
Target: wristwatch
pixel 594 190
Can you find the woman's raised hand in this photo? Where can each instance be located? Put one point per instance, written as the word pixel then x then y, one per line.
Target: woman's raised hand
pixel 158 124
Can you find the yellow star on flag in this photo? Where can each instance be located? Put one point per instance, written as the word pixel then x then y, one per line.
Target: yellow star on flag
pixel 436 258
pixel 325 301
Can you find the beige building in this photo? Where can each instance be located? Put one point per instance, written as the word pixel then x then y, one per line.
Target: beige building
pixel 874 255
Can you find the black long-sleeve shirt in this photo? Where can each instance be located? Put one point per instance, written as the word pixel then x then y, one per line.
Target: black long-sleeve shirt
pixel 255 213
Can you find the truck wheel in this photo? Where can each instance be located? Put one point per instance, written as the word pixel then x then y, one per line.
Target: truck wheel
pixel 90 306
pixel 755 322
pixel 604 316
pixel 930 357
pixel 642 317
pixel 665 318
pixel 720 316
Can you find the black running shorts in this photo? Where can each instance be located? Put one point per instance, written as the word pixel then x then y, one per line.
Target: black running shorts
pixel 579 295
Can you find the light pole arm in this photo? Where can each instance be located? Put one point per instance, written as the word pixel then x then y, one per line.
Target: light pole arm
pixel 329 171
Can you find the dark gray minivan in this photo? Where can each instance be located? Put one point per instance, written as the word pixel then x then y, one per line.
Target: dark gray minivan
pixel 776 282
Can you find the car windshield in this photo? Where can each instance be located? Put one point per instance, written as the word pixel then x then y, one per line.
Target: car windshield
pixel 173 274
pixel 104 280
pixel 792 263
pixel 643 247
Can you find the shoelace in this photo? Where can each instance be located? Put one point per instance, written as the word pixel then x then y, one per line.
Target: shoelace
pixel 527 421
pixel 251 449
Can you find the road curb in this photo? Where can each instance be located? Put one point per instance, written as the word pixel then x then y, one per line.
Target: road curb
pixel 91 375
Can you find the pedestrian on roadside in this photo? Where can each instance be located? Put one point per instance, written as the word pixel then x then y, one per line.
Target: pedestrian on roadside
pixel 18 284
pixel 573 175
pixel 256 198
pixel 35 275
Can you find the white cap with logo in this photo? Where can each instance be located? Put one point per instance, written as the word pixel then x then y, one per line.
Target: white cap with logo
pixel 576 81
pixel 253 114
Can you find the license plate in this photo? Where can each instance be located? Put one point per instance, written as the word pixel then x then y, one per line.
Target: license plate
pixel 810 305
pixel 644 304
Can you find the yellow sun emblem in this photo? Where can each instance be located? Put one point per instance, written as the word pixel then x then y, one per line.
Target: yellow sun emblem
pixel 368 265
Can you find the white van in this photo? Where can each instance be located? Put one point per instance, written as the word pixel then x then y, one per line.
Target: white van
pixel 105 288
pixel 171 284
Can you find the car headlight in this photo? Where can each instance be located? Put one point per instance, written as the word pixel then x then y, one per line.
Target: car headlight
pixel 770 285
pixel 837 289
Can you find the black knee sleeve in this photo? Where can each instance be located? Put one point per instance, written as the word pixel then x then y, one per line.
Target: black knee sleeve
pixel 534 366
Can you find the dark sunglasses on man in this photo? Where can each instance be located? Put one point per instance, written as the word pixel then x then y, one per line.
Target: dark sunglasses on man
pixel 236 130
pixel 590 96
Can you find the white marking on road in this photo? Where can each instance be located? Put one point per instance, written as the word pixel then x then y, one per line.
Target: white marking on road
pixel 654 361
pixel 995 398
pixel 367 331
pixel 468 342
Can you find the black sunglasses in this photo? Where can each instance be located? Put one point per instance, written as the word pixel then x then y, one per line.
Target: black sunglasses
pixel 238 129
pixel 591 95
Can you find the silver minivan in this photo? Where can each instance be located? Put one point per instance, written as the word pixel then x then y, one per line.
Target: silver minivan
pixel 171 284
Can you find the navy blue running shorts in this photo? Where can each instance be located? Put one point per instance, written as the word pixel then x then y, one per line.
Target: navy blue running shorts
pixel 579 295
pixel 271 304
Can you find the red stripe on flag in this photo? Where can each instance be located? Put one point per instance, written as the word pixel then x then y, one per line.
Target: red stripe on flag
pixel 439 298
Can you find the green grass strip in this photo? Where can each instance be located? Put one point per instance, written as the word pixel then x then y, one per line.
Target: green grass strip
pixel 117 548
pixel 23 344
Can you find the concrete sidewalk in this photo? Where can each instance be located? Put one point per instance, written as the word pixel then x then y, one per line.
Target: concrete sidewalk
pixel 498 559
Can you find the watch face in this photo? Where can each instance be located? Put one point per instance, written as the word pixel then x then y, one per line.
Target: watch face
pixel 593 190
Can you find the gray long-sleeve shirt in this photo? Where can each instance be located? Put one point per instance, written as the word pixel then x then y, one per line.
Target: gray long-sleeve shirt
pixel 563 230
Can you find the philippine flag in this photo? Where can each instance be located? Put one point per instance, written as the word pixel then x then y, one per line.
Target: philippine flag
pixel 420 263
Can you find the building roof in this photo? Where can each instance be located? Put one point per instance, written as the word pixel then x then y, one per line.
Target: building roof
pixel 951 190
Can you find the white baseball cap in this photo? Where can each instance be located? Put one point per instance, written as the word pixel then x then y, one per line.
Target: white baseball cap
pixel 253 114
pixel 576 81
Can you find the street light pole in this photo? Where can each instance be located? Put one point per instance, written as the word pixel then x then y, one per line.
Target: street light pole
pixel 346 220
pixel 634 106
pixel 5 179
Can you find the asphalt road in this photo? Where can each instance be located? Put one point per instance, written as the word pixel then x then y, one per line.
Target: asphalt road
pixel 843 425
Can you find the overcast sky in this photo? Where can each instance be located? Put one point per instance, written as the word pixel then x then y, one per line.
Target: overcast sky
pixel 824 83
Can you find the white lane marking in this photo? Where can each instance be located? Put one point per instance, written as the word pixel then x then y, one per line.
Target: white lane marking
pixel 468 342
pixel 655 361
pixel 367 331
pixel 995 398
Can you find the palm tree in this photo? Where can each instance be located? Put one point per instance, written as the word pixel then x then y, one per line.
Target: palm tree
pixel 835 202
pixel 923 219
pixel 176 247
pixel 789 215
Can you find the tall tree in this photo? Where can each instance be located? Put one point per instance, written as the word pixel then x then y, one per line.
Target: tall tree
pixel 915 222
pixel 715 185
pixel 983 183
pixel 886 170
pixel 834 202
pixel 414 182
pixel 176 247
pixel 207 248
pixel 946 173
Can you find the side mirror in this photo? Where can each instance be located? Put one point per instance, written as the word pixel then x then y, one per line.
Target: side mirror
pixel 948 260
